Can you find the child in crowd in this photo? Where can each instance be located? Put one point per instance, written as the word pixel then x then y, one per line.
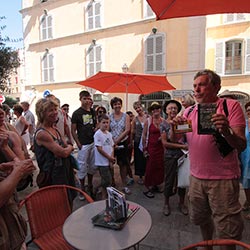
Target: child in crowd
pixel 104 152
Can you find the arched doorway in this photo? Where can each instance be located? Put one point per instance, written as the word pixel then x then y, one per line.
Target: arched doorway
pixel 160 97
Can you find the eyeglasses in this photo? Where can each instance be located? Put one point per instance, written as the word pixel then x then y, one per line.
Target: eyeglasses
pixel 101 112
pixel 154 108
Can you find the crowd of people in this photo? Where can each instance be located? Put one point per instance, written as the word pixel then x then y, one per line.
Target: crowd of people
pixel 148 139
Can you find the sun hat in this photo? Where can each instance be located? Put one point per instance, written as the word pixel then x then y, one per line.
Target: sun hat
pixel 227 94
pixel 172 101
pixel 154 105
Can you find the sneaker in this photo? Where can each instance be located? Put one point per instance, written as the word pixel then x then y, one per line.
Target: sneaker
pixel 126 190
pixel 81 197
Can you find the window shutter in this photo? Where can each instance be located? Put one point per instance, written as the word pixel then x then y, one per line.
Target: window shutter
pixel 219 58
pixel 98 15
pixel 48 68
pixel 159 53
pixel 90 16
pixel 94 60
pixel 229 18
pixel 240 17
pixel 149 54
pixel 247 56
pixel 149 11
pixel 49 27
pixel 154 55
pixel 51 68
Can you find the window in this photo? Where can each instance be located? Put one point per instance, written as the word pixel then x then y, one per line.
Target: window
pixel 232 57
pixel 94 15
pixel 230 18
pixel 154 54
pixel 94 60
pixel 46 27
pixel 48 68
pixel 148 12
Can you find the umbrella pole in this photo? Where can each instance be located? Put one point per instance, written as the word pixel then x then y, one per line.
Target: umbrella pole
pixel 126 97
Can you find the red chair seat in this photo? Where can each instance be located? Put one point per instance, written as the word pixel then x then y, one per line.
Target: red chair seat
pixel 53 240
pixel 47 209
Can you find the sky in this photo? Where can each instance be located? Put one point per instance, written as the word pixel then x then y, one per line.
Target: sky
pixel 10 9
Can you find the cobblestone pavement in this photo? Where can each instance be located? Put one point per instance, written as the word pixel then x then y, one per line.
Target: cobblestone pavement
pixel 167 232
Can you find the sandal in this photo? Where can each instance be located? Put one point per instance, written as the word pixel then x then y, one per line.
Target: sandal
pixel 156 189
pixel 149 194
pixel 246 206
pixel 247 216
pixel 166 210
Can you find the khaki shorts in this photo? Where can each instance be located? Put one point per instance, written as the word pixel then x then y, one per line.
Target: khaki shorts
pixel 218 199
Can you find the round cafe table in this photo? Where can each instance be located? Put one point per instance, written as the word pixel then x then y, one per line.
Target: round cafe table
pixel 81 234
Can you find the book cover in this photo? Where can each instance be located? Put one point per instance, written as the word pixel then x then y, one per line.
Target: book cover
pixel 117 203
pixel 205 113
pixel 183 128
pixel 104 219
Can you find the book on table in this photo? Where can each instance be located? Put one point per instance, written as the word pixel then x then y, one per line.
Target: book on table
pixel 117 211
pixel 104 219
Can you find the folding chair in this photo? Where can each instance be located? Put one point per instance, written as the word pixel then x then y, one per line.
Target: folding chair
pixel 47 209
pixel 218 242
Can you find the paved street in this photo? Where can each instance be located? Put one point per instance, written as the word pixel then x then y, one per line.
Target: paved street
pixel 167 233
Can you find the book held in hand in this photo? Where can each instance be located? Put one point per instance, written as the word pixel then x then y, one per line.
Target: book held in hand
pixel 183 128
pixel 205 113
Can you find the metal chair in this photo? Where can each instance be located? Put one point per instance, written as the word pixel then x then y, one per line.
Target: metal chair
pixel 47 209
pixel 218 242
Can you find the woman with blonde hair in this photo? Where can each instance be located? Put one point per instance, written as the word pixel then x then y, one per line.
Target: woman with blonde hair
pixel 136 135
pixel 52 152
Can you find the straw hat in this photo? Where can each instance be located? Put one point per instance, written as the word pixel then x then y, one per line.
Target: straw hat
pixel 227 94
pixel 154 105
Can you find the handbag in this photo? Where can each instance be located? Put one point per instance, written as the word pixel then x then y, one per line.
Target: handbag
pixel 43 179
pixel 183 171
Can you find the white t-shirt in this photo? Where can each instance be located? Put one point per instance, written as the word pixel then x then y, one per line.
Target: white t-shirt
pixel 106 142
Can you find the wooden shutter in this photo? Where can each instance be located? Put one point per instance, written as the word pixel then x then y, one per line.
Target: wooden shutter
pixel 159 53
pixel 51 67
pixel 247 57
pixel 98 50
pixel 219 57
pixel 97 15
pixel 49 27
pixel 149 54
pixel 90 14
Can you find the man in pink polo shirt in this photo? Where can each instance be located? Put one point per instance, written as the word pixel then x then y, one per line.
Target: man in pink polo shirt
pixel 214 181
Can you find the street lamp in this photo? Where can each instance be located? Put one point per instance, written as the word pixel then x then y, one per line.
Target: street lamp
pixel 125 70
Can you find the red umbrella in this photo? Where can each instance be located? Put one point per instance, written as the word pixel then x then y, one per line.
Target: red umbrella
pixel 110 82
pixel 165 9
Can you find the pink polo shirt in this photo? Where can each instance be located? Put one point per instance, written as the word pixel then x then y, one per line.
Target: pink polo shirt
pixel 205 159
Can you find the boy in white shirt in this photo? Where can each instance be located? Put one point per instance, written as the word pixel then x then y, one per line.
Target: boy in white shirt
pixel 104 152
